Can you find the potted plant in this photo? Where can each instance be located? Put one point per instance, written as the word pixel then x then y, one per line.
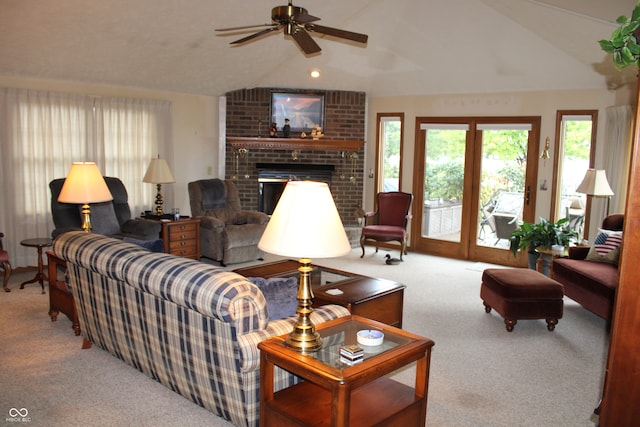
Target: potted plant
pixel 624 44
pixel 545 233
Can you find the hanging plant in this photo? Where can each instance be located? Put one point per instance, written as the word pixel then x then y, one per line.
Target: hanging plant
pixel 623 44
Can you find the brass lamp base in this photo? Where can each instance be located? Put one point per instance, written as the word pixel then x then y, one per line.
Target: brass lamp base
pixel 304 337
pixel 86 218
pixel 159 201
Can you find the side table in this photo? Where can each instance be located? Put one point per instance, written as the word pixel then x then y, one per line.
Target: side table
pixel 182 237
pixel 39 243
pixel 338 394
pixel 544 264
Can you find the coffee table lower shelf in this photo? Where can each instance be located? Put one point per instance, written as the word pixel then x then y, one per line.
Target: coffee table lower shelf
pixel 382 402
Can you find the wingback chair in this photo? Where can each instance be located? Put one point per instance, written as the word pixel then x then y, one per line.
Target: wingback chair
pixel 109 218
pixel 6 266
pixel 227 234
pixel 389 222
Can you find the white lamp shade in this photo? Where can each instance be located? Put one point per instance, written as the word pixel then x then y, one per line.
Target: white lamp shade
pixel 158 172
pixel 305 223
pixel 595 184
pixel 84 184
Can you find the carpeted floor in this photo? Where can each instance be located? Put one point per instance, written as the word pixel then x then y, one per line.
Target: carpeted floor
pixel 481 375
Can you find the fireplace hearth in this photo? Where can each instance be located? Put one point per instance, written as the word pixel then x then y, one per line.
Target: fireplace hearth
pixel 272 178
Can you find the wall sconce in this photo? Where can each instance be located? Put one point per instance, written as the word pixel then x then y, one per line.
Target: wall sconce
pixel 545 152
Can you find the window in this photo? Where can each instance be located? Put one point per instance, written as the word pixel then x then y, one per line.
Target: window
pixel 44 132
pixel 575 148
pixel 389 152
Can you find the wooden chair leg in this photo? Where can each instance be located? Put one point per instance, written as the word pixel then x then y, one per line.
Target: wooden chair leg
pixel 7 274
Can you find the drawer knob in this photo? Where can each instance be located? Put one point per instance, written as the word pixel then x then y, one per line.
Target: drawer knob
pixel 183 243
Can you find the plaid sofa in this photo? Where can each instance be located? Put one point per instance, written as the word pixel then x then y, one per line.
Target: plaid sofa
pixel 191 326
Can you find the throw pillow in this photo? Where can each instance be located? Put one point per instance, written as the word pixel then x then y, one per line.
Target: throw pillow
pixel 606 247
pixel 280 294
pixel 150 245
pixel 103 219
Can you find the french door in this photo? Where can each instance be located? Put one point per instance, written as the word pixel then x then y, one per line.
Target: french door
pixel 474 183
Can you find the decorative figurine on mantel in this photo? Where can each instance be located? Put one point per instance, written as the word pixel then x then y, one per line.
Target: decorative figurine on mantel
pixel 286 130
pixel 316 132
pixel 273 130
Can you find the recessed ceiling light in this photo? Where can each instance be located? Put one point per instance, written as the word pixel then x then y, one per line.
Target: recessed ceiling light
pixel 315 74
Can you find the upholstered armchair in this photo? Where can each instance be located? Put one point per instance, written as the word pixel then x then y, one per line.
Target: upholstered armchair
pixel 6 265
pixel 389 222
pixel 227 234
pixel 110 218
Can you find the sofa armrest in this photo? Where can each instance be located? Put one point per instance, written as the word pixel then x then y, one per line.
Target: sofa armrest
pixel 249 353
pixel 578 252
pixel 252 217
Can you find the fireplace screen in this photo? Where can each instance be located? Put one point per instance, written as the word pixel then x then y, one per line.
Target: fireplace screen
pixel 273 177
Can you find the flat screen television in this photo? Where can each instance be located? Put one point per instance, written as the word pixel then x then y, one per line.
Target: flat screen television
pixel 304 110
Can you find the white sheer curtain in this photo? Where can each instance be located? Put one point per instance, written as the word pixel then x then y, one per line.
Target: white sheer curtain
pixel 133 131
pixel 42 133
pixel 618 134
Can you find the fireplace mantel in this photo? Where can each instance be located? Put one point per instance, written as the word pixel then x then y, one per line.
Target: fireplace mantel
pixel 295 144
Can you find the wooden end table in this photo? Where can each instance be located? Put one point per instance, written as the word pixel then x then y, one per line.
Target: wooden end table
pixel 376 299
pixel 336 394
pixel 181 237
pixel 39 243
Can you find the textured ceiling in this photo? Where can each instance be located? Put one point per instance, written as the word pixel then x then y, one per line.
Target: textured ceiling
pixel 415 47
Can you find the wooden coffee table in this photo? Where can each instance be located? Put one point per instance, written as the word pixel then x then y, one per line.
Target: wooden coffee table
pixel 376 299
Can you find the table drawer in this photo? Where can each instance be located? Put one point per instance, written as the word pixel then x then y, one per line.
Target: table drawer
pixel 182 234
pixel 190 251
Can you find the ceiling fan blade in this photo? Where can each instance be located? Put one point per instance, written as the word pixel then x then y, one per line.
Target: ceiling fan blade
pixel 244 27
pixel 303 18
pixel 255 35
pixel 356 37
pixel 304 40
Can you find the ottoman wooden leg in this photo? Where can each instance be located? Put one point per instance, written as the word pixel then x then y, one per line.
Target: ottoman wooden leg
pixel 551 324
pixel 487 307
pixel 509 324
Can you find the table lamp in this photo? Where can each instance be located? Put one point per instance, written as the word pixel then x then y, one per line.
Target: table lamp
pixel 158 173
pixel 305 224
pixel 84 185
pixel 595 184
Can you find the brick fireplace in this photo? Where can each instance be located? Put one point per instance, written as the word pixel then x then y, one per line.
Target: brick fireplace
pixel 248 113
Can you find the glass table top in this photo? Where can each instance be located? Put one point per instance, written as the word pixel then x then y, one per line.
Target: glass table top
pixel 343 334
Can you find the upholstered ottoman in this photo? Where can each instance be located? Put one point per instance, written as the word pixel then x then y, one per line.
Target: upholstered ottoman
pixel 521 293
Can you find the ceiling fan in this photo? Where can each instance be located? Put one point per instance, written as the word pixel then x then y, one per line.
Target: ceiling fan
pixel 296 23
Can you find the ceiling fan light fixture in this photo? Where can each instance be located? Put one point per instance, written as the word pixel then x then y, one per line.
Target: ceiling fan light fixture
pixel 296 22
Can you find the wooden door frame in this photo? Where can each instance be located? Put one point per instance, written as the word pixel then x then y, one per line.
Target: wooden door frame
pixel 465 250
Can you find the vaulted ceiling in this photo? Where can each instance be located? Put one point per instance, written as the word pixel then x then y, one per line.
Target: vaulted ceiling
pixel 415 47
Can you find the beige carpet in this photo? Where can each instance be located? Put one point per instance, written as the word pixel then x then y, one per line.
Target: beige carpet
pixel 481 375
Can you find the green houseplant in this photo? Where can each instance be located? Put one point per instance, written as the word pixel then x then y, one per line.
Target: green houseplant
pixel 547 233
pixel 624 44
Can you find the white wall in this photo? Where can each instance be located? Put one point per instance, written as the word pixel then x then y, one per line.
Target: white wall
pixel 544 104
pixel 195 131
pixel 196 126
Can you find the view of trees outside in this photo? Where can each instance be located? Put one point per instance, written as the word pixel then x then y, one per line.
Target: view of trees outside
pixel 391 148
pixel 504 163
pixel 575 161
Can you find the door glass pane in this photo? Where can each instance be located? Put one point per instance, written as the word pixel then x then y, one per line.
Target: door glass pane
pixel 502 177
pixel 443 187
pixel 575 137
pixel 390 128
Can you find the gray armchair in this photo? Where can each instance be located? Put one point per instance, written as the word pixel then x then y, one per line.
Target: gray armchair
pixel 227 234
pixel 109 218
